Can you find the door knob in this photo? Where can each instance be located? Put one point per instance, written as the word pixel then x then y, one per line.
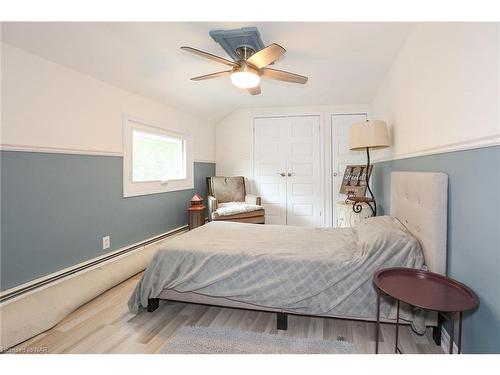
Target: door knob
pixel 335 174
pixel 289 174
pixel 282 174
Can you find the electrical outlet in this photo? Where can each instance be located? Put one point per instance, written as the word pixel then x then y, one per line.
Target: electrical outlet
pixel 106 242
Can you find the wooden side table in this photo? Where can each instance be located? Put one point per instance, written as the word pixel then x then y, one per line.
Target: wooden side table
pixel 427 290
pixel 196 216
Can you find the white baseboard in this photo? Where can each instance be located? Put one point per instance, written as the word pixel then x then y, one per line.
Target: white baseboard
pixel 445 342
pixel 48 279
pixel 28 314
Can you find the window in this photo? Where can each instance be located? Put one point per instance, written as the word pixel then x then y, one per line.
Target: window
pixel 156 160
pixel 157 157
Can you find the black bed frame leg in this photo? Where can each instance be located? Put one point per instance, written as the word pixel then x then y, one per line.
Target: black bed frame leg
pixel 153 304
pixel 436 331
pixel 282 321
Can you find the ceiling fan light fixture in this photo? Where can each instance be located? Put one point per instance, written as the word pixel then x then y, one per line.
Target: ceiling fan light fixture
pixel 245 80
pixel 249 64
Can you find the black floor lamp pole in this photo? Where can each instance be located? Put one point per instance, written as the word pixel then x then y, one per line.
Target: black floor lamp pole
pixel 364 135
pixel 368 180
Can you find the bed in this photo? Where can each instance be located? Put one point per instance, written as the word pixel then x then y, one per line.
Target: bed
pixel 309 271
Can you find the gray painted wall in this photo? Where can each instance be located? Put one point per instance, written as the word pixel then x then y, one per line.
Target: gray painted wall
pixel 473 230
pixel 57 207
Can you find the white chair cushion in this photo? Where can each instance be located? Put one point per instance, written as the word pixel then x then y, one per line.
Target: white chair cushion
pixel 233 208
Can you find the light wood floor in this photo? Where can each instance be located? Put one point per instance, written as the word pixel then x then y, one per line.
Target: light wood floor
pixel 104 325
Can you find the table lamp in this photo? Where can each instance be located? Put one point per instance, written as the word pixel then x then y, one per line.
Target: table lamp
pixel 366 135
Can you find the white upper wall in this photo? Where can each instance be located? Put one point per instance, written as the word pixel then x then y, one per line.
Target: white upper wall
pixel 46 105
pixel 442 93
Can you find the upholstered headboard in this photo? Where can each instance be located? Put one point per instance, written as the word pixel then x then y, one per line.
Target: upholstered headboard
pixel 420 201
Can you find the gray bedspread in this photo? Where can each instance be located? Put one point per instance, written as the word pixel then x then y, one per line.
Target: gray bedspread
pixel 304 270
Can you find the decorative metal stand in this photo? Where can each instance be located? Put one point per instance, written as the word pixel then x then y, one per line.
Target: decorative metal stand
pixel 357 205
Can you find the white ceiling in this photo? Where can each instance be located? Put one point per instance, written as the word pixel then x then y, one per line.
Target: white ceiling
pixel 345 62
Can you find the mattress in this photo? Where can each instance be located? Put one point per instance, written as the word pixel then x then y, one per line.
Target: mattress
pixel 314 271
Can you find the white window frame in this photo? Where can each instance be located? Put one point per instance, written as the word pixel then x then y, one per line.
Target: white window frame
pixel 130 188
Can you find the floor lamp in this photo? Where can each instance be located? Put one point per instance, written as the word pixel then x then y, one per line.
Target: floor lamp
pixel 365 135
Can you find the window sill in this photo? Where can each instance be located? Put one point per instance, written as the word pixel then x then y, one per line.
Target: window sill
pixel 131 193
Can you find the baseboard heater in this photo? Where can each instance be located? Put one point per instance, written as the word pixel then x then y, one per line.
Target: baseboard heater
pixel 48 280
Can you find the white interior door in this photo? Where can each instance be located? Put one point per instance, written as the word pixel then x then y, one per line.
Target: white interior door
pixel 270 167
pixel 304 195
pixel 287 169
pixel 341 154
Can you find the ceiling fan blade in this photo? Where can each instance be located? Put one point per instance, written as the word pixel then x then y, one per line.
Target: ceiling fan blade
pixel 212 75
pixel 266 55
pixel 210 56
pixel 281 75
pixel 254 90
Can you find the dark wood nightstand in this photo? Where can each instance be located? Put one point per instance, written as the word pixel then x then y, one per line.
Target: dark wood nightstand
pixel 196 216
pixel 196 212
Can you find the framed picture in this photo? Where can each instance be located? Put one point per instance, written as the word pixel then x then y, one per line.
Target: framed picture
pixel 355 180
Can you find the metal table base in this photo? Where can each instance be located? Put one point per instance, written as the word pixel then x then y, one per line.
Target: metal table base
pixel 451 318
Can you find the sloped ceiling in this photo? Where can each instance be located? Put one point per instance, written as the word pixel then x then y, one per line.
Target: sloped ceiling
pixel 345 62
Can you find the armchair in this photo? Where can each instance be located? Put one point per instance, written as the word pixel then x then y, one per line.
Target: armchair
pixel 228 201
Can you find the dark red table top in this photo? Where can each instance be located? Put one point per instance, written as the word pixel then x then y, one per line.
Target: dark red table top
pixel 425 289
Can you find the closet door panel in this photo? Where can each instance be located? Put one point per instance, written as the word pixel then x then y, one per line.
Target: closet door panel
pixel 303 171
pixel 287 169
pixel 269 163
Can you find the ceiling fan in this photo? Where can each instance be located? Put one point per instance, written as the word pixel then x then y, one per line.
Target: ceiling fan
pixel 251 66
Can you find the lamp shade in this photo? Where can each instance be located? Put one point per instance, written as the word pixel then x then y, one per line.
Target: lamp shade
pixel 371 134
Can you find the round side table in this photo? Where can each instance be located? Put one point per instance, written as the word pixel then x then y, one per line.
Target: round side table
pixel 427 290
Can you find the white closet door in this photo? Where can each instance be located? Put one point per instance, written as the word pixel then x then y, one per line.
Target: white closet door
pixel 304 195
pixel 287 169
pixel 342 156
pixel 269 165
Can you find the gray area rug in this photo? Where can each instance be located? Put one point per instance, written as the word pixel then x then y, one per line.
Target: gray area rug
pixel 206 340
